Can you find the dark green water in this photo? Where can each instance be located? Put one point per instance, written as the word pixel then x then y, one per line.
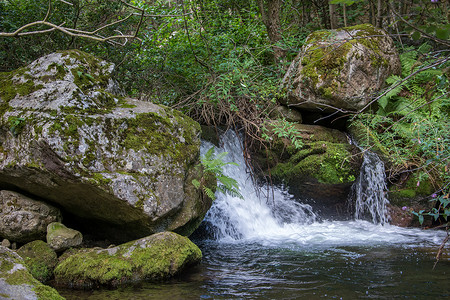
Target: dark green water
pixel 251 271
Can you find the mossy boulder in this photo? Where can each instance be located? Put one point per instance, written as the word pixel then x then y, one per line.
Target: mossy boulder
pixel 121 167
pixel 40 259
pixel 340 69
pixel 323 168
pixel 159 256
pixel 23 219
pixel 61 238
pixel 17 283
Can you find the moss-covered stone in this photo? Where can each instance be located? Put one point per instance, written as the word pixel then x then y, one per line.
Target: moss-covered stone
pixel 17 283
pixel 323 169
pixel 156 257
pixel 413 192
pixel 40 259
pixel 118 164
pixel 340 69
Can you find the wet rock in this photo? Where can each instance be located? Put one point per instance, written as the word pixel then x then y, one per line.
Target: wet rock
pixel 340 70
pixel 121 166
pixel 17 283
pixel 40 259
pixel 156 257
pixel 23 219
pixel 60 238
pixel 323 168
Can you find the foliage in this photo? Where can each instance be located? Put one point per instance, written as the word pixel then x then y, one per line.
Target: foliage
pixel 284 129
pixel 412 123
pixel 213 165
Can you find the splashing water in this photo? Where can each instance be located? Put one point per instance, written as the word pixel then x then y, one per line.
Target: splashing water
pixel 369 191
pixel 282 220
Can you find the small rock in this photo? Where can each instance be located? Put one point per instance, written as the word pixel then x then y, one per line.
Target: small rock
pixel 6 243
pixel 60 238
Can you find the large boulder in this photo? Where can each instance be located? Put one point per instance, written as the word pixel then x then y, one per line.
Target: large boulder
pixel 156 257
pixel 340 69
pixel 23 219
pixel 122 166
pixel 320 170
pixel 17 283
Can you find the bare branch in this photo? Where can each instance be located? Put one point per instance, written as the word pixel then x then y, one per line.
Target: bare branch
pixel 48 10
pixel 444 42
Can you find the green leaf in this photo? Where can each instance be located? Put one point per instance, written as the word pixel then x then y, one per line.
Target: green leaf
pixel 416 35
pixel 383 101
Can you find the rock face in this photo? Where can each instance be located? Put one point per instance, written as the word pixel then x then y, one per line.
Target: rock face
pixel 17 283
pixel 156 257
pixel 340 69
pixel 23 219
pixel 60 238
pixel 122 166
pixel 323 168
pixel 40 259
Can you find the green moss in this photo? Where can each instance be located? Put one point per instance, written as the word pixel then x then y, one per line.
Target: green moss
pixel 100 179
pixel 44 292
pixel 11 86
pixel 39 258
pixel 164 256
pixel 327 162
pixel 323 62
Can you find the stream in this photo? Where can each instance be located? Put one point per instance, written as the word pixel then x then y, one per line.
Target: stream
pixel 275 247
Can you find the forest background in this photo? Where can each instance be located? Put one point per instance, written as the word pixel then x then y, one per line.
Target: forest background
pixel 222 62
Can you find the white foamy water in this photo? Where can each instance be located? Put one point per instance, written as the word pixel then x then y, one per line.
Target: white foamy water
pixel 282 220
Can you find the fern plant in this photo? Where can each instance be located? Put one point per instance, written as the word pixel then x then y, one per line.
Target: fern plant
pixel 422 77
pixel 213 165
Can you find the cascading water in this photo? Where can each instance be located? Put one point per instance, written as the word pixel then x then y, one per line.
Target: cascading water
pixel 369 191
pixel 281 220
pixel 254 217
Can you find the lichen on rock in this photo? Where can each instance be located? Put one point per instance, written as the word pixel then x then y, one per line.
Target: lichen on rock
pixel 17 283
pixel 340 69
pixel 156 257
pixel 23 219
pixel 120 165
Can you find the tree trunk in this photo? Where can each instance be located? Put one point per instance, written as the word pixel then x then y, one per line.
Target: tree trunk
pixel 379 13
pixel 270 14
pixel 333 15
pixel 344 11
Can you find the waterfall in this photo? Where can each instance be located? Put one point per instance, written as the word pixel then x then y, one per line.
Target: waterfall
pixel 280 220
pixel 369 191
pixel 257 216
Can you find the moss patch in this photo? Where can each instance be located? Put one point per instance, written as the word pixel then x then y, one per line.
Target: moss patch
pixel 39 258
pixel 326 56
pixel 156 257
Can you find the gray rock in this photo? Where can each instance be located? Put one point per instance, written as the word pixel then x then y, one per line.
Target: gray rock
pixel 23 219
pixel 340 69
pixel 121 166
pixel 283 112
pixel 17 283
pixel 155 257
pixel 6 243
pixel 60 238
